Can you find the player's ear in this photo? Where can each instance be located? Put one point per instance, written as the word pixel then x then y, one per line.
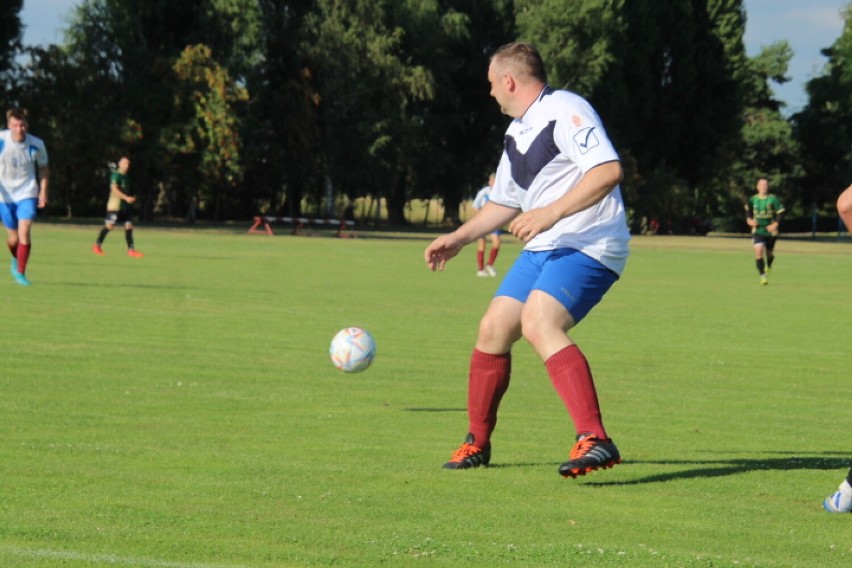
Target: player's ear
pixel 510 82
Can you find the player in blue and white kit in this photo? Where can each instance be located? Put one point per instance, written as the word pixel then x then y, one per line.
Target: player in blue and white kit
pixel 557 187
pixel 483 268
pixel 841 500
pixel 24 176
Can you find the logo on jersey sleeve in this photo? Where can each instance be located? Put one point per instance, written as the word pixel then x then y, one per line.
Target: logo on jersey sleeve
pixel 586 139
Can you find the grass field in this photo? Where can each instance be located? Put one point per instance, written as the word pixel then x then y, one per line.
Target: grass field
pixel 180 410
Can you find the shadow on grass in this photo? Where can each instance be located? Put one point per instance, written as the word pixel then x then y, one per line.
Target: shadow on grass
pixel 720 468
pixel 691 469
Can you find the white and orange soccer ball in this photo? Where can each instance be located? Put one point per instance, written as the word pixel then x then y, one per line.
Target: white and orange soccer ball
pixel 352 350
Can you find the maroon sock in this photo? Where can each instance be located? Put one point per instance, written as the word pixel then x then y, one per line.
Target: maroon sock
pixel 23 256
pixel 480 259
pixel 493 256
pixel 487 383
pixel 571 377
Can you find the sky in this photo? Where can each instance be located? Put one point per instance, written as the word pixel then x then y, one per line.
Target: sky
pixel 807 26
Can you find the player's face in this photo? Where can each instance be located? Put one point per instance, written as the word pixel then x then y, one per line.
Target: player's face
pixel 762 187
pixel 18 128
pixel 499 89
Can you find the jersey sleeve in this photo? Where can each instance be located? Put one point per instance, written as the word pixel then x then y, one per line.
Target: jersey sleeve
pixel 41 157
pixel 503 191
pixel 581 136
pixel 480 199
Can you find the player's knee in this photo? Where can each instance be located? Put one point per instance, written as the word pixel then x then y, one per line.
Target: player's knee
pixel 496 334
pixel 535 329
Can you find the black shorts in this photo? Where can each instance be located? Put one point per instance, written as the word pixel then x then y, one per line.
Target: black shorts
pixel 117 217
pixel 766 240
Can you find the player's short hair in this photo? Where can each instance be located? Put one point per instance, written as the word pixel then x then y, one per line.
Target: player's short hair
pixel 521 59
pixel 17 112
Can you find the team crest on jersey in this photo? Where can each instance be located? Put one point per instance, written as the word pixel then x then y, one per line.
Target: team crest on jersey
pixel 586 139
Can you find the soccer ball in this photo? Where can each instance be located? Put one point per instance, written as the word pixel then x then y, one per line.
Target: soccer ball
pixel 352 350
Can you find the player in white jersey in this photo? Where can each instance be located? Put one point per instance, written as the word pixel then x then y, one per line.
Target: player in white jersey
pixel 483 268
pixel 557 187
pixel 841 500
pixel 24 177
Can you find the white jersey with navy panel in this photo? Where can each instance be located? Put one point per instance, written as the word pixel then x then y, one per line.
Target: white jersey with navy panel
pixel 19 164
pixel 482 197
pixel 545 153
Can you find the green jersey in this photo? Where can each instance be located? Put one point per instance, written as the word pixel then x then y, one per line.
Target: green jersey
pixel 764 210
pixel 115 203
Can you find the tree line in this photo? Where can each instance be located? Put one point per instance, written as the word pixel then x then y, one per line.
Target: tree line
pixel 230 108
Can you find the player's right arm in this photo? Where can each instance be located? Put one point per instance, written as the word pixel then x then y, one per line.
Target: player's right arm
pixel 486 220
pixel 749 210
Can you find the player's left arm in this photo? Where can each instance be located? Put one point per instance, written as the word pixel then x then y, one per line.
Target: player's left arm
pixel 43 181
pixel 595 184
pixel 776 219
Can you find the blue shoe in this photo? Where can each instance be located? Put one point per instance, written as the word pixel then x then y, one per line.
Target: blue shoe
pixel 14 266
pixel 21 279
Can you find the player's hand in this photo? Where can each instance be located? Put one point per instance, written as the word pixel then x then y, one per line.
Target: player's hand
pixel 751 222
pixel 42 200
pixel 527 226
pixel 772 228
pixel 130 199
pixel 440 251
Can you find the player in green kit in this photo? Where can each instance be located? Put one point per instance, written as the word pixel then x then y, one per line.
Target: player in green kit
pixel 119 209
pixel 763 213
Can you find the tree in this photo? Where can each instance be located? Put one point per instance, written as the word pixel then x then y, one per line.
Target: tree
pixel 285 160
pixel 463 127
pixel 10 43
pixel 576 38
pixel 768 149
pixel 663 75
pixel 210 140
pixel 824 127
pixel 368 87
pixel 127 49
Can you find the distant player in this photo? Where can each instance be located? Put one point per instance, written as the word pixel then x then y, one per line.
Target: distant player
pixel 763 214
pixel 24 177
pixel 119 210
pixel 482 197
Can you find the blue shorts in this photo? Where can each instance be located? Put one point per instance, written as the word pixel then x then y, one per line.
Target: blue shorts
pixel 575 280
pixel 24 209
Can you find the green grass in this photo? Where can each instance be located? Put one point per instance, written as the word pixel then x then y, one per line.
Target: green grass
pixel 180 410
